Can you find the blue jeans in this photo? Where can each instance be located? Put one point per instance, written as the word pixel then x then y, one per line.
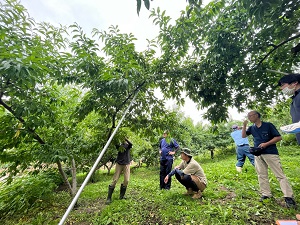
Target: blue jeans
pixel 165 169
pixel 241 153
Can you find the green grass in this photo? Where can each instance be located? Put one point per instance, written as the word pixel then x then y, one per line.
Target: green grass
pixel 230 198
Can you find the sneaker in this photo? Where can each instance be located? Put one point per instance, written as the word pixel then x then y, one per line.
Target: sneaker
pixel 197 195
pixel 291 128
pixel 290 202
pixel 262 198
pixel 239 169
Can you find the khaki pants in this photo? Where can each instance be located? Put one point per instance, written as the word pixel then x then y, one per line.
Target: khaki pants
pixel 118 171
pixel 199 184
pixel 272 161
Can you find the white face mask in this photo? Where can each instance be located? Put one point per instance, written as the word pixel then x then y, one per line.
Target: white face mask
pixel 288 91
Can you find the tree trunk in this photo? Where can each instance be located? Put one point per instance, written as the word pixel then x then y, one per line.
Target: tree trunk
pixel 212 154
pixel 74 180
pixel 109 167
pixel 63 174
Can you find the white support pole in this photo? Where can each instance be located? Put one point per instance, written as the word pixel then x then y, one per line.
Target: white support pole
pixel 95 165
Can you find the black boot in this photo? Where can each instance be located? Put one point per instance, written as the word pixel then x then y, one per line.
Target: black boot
pixel 122 191
pixel 110 191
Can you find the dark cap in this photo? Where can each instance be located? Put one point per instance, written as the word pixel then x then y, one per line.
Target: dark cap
pixel 288 79
pixel 186 151
pixel 235 126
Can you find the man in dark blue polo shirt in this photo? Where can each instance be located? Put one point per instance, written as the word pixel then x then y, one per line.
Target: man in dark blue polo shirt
pixel 266 136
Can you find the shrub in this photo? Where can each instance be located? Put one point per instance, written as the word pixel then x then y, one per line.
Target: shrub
pixel 288 139
pixel 26 191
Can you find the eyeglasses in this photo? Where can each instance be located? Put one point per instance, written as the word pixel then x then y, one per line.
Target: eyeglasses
pixel 252 115
pixel 282 84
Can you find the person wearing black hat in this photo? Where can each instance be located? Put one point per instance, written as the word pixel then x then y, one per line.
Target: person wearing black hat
pixel 290 85
pixel 242 148
pixel 190 174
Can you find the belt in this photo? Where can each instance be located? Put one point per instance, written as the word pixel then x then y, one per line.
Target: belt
pixel 243 145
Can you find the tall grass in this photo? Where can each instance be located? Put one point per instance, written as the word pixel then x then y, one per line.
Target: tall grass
pixel 230 198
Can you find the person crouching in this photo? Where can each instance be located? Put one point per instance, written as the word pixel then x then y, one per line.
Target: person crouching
pixel 190 174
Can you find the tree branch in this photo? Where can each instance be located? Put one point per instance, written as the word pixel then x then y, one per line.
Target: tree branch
pixel 114 116
pixel 34 134
pixel 130 95
pixel 275 48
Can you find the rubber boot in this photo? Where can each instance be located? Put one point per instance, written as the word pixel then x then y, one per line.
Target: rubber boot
pixel 110 192
pixel 122 191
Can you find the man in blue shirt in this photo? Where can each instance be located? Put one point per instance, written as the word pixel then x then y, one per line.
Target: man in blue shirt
pixel 265 136
pixel 167 149
pixel 242 148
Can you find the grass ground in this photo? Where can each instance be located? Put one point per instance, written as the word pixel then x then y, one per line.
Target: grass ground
pixel 230 198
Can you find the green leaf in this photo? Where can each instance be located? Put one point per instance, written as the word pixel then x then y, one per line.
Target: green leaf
pixel 138 6
pixel 147 4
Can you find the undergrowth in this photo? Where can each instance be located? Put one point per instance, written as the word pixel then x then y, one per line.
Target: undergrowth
pixel 230 198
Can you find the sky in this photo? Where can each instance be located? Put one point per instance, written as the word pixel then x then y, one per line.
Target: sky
pixel 101 14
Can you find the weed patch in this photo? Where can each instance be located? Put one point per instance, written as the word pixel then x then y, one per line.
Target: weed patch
pixel 230 198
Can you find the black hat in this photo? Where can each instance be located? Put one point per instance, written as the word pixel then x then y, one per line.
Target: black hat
pixel 288 79
pixel 186 151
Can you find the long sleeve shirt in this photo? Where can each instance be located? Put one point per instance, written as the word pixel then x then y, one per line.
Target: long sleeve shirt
pixel 124 157
pixel 193 168
pixel 295 111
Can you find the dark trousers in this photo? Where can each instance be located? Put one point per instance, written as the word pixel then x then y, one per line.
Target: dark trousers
pixel 186 180
pixel 165 169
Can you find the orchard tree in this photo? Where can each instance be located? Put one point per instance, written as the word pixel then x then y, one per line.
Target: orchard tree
pixel 223 54
pixel 218 54
pixel 194 5
pixel 38 127
pixel 45 124
pixel 29 61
